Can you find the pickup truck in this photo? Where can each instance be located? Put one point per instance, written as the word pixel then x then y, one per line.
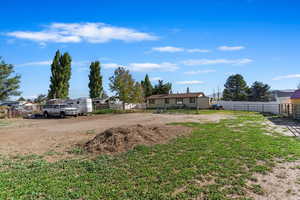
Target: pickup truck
pixel 60 110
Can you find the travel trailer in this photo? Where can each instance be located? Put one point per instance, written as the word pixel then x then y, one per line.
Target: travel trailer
pixel 84 105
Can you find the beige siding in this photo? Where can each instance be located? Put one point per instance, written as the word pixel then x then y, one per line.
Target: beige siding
pixel 203 103
pixel 200 103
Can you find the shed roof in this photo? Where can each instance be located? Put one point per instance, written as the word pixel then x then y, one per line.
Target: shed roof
pixel 180 95
pixel 296 95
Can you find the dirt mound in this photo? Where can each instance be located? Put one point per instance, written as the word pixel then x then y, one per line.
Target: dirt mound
pixel 122 139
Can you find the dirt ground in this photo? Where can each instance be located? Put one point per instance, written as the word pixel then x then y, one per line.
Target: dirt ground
pixel 282 183
pixel 41 136
pixel 125 138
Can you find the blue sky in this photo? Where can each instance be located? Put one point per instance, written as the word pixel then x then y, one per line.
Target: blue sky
pixel 195 44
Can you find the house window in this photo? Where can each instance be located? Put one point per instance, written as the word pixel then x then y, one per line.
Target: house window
pixel 192 99
pixel 151 101
pixel 166 101
pixel 179 100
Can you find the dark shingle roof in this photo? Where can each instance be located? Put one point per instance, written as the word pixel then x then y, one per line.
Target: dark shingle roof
pixel 181 95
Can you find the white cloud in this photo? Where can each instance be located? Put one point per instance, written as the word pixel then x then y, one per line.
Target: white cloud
pixel 189 82
pixel 198 50
pixel 217 61
pixel 200 72
pixel 171 49
pixel 287 77
pixel 36 63
pixel 49 62
pixel 231 48
pixel 144 67
pixel 79 32
pixel 112 65
pixel 167 49
pixel 155 78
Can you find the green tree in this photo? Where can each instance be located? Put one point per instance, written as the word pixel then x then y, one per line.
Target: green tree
pixel 147 86
pixel 9 81
pixel 60 76
pixel 138 93
pixel 236 88
pixel 162 88
pixel 41 98
pixel 95 84
pixel 122 84
pixel 21 99
pixel 259 92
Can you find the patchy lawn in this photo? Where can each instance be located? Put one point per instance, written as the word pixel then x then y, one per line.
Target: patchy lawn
pixel 203 112
pixel 4 123
pixel 216 161
pixel 113 111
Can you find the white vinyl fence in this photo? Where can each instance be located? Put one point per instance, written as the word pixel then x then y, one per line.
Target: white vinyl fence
pixel 266 107
pixel 128 106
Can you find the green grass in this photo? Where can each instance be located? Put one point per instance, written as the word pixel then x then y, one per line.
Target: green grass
pixel 215 162
pixel 4 123
pixel 169 111
pixel 194 111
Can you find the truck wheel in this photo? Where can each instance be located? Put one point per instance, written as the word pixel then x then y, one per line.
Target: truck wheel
pixel 46 115
pixel 62 115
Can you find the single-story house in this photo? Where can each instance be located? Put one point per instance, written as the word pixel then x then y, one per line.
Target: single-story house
pixel 195 100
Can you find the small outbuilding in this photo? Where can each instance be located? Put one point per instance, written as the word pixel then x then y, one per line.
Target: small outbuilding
pixel 196 100
pixel 295 98
pixel 295 101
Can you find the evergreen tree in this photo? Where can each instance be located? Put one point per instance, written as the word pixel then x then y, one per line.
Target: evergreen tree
pixel 9 83
pixel 235 88
pixel 147 86
pixel 95 84
pixel 41 98
pixel 259 92
pixel 122 84
pixel 21 99
pixel 162 88
pixel 60 76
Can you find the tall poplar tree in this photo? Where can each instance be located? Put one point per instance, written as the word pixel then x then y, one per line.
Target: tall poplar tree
pixel 60 76
pixel 147 86
pixel 95 84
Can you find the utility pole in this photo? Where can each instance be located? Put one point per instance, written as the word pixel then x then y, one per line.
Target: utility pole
pixel 214 95
pixel 218 93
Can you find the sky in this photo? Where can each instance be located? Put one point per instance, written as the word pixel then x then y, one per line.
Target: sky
pixel 191 43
